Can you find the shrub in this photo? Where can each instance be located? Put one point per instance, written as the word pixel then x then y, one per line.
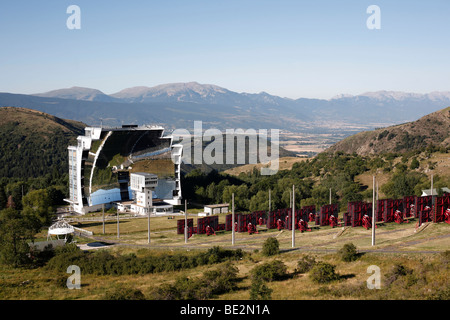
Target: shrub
pixel 191 289
pixel 348 252
pixel 323 272
pixel 124 294
pixel 104 263
pixel 414 164
pixel 383 134
pixel 66 256
pixel 445 258
pixel 214 282
pixel 271 247
pixel 60 280
pixel 223 279
pixel 391 136
pixel 305 264
pixel 270 271
pixel 217 255
pixel 397 272
pixel 166 292
pixel 259 290
pixel 441 294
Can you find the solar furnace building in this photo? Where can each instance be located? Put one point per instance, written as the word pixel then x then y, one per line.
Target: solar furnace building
pixel 101 163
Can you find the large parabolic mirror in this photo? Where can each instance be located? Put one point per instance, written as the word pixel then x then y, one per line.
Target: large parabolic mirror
pixel 118 153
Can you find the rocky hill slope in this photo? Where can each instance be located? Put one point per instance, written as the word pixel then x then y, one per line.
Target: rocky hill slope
pixel 432 129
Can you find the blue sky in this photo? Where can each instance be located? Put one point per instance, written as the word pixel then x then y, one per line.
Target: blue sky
pixel 288 48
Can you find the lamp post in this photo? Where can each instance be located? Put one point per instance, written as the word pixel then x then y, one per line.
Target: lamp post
pixel 373 213
pixel 118 226
pixel 232 220
pixel 185 222
pixel 293 216
pixel 103 217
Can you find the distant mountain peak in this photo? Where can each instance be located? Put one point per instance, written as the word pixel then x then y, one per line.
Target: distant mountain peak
pixel 77 93
pixel 395 95
pixel 384 95
pixel 73 89
pixel 342 96
pixel 180 91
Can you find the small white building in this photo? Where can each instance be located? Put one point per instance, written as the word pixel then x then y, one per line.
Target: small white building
pixel 216 208
pixel 427 192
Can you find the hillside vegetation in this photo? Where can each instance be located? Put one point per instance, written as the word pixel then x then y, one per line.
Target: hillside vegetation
pixel 34 143
pixel 432 129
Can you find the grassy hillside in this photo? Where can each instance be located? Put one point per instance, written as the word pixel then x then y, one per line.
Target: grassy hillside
pixel 430 129
pixel 285 163
pixel 34 143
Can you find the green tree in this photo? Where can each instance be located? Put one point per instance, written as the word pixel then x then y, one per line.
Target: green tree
pixel 305 264
pixel 323 272
pixel 241 194
pixel 259 201
pixel 414 164
pixel 351 193
pixel 16 190
pixel 16 232
pixel 348 252
pixel 3 198
pixel 270 271
pixel 321 195
pixel 124 293
pixel 39 204
pixel 211 191
pixel 200 193
pixel 402 184
pixel 55 195
pixel 219 191
pixel 271 247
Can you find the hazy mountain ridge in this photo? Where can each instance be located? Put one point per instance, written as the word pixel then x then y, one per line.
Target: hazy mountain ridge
pixel 78 93
pixel 177 105
pixel 201 93
pixel 399 95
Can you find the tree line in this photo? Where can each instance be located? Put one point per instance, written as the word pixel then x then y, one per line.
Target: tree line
pixel 313 180
pixel 26 206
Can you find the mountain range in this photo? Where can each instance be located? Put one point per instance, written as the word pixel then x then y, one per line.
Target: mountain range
pixel 178 105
